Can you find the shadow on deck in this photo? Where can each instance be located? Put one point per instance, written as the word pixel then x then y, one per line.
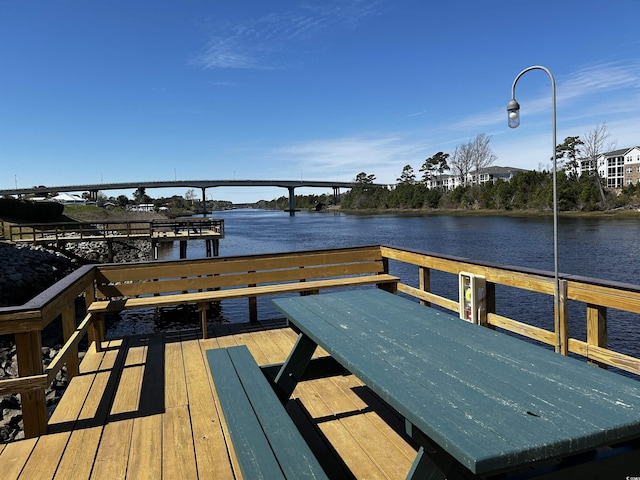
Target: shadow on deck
pixel 146 407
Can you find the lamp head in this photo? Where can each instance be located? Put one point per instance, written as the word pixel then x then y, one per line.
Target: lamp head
pixel 513 111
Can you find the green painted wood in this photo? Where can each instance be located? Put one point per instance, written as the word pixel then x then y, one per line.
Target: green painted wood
pixel 490 400
pixel 267 442
pixel 294 367
pixel 252 448
pixel 291 450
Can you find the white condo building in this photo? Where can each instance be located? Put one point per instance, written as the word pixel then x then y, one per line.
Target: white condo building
pixel 489 174
pixel 618 168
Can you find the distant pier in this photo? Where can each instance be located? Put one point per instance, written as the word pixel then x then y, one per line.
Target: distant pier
pixel 158 231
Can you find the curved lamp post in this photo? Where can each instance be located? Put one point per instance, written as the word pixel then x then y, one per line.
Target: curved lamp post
pixel 513 111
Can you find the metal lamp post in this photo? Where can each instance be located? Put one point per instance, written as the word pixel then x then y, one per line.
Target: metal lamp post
pixel 513 111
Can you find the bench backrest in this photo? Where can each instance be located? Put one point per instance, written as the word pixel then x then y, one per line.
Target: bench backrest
pixel 220 272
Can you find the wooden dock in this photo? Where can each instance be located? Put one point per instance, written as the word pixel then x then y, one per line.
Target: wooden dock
pixel 157 231
pixel 145 407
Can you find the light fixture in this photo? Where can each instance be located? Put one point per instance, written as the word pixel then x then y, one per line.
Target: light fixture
pixel 513 111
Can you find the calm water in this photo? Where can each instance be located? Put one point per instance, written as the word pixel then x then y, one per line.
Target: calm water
pixel 606 248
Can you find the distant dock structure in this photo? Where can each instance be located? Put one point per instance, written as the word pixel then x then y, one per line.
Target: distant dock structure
pixel 181 230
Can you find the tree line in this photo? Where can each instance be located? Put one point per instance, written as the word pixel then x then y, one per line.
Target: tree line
pixel 579 189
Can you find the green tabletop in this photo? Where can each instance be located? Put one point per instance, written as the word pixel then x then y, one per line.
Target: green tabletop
pixel 492 401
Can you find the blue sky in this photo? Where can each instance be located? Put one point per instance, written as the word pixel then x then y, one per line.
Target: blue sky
pixel 111 90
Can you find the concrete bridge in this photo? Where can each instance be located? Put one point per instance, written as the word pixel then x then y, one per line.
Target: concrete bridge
pixel 94 188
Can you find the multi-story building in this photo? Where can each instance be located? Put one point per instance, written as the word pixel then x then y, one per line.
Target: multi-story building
pixel 489 174
pixel 632 166
pixel 617 168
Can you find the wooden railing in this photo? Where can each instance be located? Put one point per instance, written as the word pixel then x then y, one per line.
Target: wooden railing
pixel 596 295
pixel 27 322
pixel 80 231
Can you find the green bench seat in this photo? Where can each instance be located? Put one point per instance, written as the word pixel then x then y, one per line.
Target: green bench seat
pixel 266 441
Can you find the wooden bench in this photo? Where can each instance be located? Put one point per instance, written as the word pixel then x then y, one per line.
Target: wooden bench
pixel 203 281
pixel 265 439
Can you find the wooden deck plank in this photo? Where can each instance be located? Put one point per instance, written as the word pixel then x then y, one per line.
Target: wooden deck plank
pixel 355 458
pixel 45 457
pixel 326 403
pixel 271 352
pixel 209 441
pixel 387 448
pixel 78 458
pixel 94 361
pixel 95 406
pixel 229 341
pixel 258 355
pixel 136 354
pixel 382 452
pixel 127 395
pixel 68 409
pixel 175 393
pixel 145 455
pixel 179 460
pixel 112 456
pixel 14 457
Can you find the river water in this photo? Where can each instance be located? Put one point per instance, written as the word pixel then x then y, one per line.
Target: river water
pixel 606 248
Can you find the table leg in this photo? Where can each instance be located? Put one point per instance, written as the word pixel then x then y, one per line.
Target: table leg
pixel 431 462
pixel 293 368
pixel 424 468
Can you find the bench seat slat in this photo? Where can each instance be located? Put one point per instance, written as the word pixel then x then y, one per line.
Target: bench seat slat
pixel 266 441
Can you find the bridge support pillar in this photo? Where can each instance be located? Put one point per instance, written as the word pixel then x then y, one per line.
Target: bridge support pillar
pixel 292 201
pixel 204 201
pixel 336 195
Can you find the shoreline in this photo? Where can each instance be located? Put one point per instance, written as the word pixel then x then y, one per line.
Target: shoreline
pixel 617 213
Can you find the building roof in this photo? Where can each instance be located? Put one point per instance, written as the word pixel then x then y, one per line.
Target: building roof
pixel 500 170
pixel 617 153
pixel 68 198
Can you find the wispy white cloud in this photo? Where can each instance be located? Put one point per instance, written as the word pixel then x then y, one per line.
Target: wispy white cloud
pixel 382 155
pixel 597 78
pixel 591 90
pixel 257 43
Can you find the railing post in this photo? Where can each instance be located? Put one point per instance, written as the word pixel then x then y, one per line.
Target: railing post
pixel 68 327
pixel 253 306
pixel 596 329
pixel 95 334
pixel 490 305
pixel 425 282
pixel 34 406
pixel 385 264
pixel 564 318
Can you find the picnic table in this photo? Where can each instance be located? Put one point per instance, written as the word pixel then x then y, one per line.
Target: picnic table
pixel 477 402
